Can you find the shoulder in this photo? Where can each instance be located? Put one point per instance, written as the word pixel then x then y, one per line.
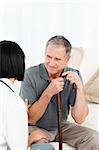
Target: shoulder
pixel 33 69
pixel 34 72
pixel 74 70
pixel 71 69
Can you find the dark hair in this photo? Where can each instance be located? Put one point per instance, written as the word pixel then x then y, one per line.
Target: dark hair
pixel 12 60
pixel 60 41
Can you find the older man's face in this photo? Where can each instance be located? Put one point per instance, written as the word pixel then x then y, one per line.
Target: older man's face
pixel 55 59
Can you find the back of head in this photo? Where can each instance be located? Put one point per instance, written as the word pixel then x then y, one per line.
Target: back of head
pixel 60 41
pixel 12 60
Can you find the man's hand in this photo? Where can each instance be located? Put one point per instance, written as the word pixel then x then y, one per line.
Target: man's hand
pixel 56 86
pixel 80 110
pixel 73 78
pixel 36 135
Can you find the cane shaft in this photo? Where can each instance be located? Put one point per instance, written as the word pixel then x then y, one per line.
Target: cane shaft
pixel 59 120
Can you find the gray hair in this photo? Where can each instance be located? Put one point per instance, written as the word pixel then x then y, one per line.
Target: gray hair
pixel 59 40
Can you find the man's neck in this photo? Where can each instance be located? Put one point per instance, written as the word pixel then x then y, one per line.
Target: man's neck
pixel 53 76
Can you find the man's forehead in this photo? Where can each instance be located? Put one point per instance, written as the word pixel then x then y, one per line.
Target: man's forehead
pixel 58 50
pixel 51 45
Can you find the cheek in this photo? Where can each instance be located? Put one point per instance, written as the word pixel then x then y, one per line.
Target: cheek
pixel 46 60
pixel 64 63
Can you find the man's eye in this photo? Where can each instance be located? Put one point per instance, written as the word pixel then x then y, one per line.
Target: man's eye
pixel 57 59
pixel 48 56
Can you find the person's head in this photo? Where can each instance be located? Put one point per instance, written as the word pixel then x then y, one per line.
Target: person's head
pixel 12 60
pixel 57 55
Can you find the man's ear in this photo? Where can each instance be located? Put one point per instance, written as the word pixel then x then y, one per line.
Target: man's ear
pixel 67 59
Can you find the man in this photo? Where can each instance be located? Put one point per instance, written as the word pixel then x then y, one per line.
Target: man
pixel 40 86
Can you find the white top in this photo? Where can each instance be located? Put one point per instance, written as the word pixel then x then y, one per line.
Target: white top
pixel 13 119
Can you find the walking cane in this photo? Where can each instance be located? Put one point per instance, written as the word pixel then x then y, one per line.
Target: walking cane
pixel 59 120
pixel 60 116
pixel 59 113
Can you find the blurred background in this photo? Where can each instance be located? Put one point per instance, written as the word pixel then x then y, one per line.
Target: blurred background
pixel 31 23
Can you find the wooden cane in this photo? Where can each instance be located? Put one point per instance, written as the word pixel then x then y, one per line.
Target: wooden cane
pixel 60 115
pixel 59 120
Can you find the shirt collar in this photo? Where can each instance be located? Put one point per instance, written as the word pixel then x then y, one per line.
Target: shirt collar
pixel 9 83
pixel 43 72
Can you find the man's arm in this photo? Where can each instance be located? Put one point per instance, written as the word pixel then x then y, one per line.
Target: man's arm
pixel 80 110
pixel 38 108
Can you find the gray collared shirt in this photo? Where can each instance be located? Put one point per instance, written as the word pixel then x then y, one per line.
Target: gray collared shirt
pixel 35 82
